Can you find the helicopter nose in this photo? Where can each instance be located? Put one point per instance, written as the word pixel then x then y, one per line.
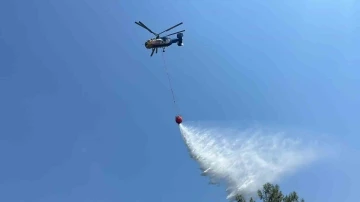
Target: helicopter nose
pixel 146 44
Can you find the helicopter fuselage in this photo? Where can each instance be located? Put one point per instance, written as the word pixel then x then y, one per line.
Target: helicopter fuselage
pixel 163 42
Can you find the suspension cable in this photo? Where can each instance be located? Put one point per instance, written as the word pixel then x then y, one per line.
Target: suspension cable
pixel 171 88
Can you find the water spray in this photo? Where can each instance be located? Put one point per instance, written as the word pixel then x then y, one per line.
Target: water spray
pixel 245 160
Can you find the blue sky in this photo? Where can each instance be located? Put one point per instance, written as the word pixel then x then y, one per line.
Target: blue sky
pixel 86 114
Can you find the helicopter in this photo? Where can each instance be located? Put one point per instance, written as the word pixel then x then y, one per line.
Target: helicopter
pixel 162 42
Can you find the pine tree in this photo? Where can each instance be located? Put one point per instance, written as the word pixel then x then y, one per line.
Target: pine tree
pixel 272 193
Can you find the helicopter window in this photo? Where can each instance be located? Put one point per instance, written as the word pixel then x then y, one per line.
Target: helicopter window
pixel 159 41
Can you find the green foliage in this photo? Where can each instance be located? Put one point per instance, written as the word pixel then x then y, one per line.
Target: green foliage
pixel 272 193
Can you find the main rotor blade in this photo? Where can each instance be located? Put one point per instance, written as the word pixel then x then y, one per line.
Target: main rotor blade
pixel 175 33
pixel 140 24
pixel 171 28
pixel 145 27
pixel 152 53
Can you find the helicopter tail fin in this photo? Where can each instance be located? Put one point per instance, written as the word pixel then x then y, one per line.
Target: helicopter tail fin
pixel 180 41
pixel 180 35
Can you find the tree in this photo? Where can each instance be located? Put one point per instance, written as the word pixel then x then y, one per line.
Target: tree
pixel 272 193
